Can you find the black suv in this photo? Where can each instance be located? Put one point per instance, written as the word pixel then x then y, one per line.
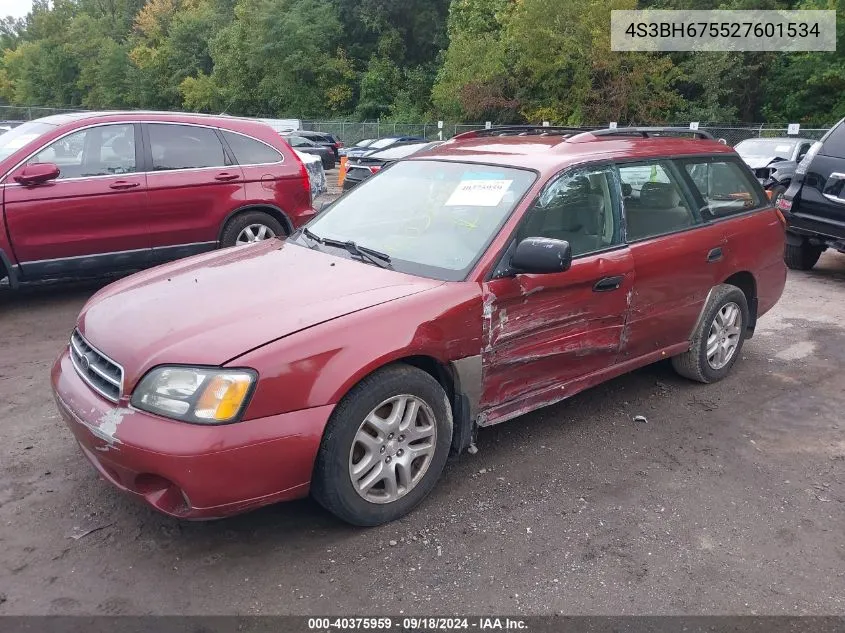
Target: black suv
pixel 322 138
pixel 814 204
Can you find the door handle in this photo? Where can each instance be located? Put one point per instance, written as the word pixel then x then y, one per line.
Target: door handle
pixel 609 283
pixel 714 255
pixel 226 176
pixel 124 184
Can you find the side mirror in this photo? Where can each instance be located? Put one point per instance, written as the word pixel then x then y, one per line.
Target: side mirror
pixel 541 255
pixel 38 173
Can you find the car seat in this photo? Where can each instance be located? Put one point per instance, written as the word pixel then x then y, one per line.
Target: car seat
pixel 661 209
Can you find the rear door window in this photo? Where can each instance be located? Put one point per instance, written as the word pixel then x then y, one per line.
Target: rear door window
pixel 655 200
pixel 249 151
pixel 184 147
pixel 725 186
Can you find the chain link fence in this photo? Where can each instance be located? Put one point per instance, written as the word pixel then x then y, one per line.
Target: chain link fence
pixel 27 113
pixel 351 132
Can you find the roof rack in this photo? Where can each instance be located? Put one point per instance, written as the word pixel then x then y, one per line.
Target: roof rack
pixel 522 130
pixel 650 132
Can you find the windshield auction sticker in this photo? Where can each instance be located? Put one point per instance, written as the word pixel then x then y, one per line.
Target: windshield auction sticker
pixel 478 193
pixel 693 30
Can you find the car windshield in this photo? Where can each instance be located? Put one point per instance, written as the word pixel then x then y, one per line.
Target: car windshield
pixel 17 137
pixel 298 141
pixel 433 218
pixel 383 142
pixel 766 147
pixel 402 151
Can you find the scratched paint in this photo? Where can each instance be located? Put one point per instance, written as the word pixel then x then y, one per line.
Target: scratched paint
pixel 108 424
pixel 542 332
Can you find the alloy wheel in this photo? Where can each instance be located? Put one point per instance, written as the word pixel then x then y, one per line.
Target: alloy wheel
pixel 254 233
pixel 392 449
pixel 723 337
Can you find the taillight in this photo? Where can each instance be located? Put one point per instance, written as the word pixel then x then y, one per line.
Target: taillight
pixel 304 177
pixel 784 204
pixel 374 168
pixel 338 144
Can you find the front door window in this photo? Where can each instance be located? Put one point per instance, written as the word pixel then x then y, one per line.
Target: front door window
pixel 104 150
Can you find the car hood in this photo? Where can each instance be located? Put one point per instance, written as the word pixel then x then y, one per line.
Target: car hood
pixel 212 308
pixel 757 162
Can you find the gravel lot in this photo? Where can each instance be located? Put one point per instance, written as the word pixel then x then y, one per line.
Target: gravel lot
pixel 730 499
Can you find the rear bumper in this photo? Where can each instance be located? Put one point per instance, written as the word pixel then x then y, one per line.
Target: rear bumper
pixel 350 183
pixel 815 226
pixel 191 471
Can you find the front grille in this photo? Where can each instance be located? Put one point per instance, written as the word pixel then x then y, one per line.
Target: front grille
pixel 101 373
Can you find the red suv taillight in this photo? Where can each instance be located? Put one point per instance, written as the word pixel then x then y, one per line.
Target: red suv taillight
pixel 305 178
pixel 374 168
pixel 784 205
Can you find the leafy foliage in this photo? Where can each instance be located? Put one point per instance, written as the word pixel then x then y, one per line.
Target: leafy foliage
pixel 402 60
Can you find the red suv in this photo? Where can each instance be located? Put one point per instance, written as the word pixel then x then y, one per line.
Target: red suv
pixel 500 272
pixel 89 193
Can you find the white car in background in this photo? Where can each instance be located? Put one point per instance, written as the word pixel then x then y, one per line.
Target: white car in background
pixel 316 173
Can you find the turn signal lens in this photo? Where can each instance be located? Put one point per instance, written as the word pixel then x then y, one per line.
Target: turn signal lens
pixel 223 397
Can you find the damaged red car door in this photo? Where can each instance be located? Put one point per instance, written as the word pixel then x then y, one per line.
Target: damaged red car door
pixel 542 332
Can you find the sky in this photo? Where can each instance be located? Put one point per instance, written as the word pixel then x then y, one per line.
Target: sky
pixel 15 8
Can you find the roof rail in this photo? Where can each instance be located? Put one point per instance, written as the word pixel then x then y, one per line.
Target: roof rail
pixel 651 132
pixel 521 130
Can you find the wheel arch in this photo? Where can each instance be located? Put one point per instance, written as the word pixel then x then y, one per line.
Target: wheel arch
pixel 8 270
pixel 451 378
pixel 745 281
pixel 271 210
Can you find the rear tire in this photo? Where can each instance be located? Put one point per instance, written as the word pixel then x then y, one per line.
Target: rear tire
pixel 803 256
pixel 727 303
pixel 375 478
pixel 251 223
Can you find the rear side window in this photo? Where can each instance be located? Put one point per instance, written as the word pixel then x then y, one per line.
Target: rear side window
pixel 725 186
pixel 185 147
pixel 655 203
pixel 834 144
pixel 249 151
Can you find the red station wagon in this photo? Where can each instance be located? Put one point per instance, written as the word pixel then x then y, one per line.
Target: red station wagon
pixel 501 272
pixel 90 193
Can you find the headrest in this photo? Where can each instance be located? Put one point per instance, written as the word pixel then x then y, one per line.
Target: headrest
pixel 659 195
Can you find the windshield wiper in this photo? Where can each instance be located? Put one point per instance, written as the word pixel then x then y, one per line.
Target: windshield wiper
pixel 368 254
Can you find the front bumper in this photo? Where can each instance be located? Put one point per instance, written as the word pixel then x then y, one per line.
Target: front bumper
pixel 186 470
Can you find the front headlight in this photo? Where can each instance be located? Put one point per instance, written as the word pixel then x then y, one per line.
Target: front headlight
pixel 195 394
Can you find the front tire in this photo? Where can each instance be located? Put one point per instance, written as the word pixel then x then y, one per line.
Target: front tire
pixel 802 256
pixel 718 338
pixel 384 447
